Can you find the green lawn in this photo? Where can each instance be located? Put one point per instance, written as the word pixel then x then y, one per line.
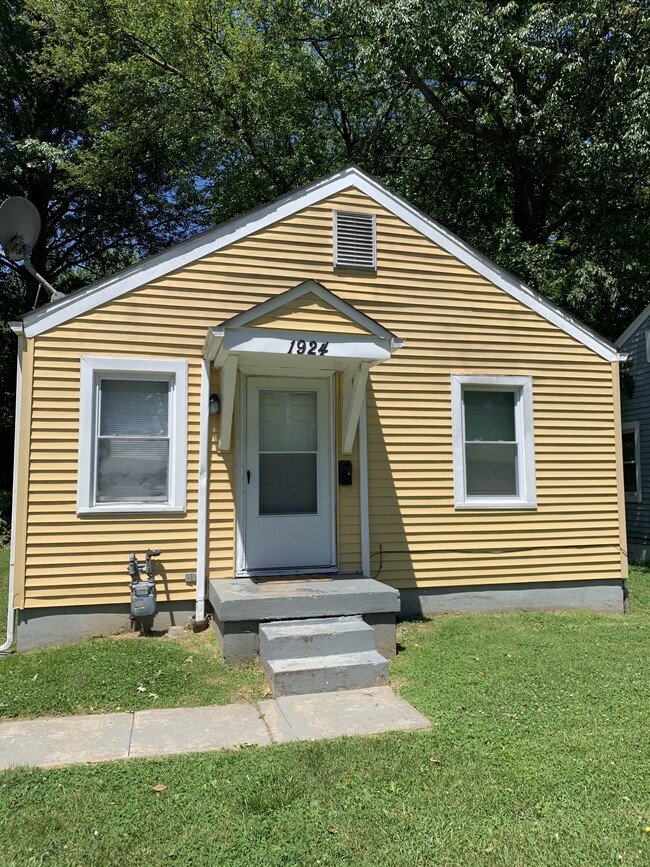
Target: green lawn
pixel 538 755
pixel 126 672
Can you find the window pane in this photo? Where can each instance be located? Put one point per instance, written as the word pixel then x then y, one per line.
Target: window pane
pixel 489 415
pixel 133 407
pixel 288 484
pixel 132 470
pixel 629 478
pixel 491 469
pixel 288 421
pixel 629 448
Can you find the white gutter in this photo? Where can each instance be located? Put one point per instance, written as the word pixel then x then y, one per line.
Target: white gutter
pixel 363 491
pixel 202 530
pixel 16 327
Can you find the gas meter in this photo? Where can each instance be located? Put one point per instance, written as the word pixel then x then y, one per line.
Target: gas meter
pixel 143 592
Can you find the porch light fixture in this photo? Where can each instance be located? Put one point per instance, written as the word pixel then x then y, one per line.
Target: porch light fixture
pixel 215 404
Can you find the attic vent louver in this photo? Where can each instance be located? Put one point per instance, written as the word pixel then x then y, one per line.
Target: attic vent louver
pixel 354 240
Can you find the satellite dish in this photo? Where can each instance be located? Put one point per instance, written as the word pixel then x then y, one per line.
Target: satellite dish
pixel 20 226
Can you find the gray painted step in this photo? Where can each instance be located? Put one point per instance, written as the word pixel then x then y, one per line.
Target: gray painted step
pixel 319 636
pixel 327 673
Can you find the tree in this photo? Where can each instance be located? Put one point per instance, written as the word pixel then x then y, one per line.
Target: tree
pixel 554 97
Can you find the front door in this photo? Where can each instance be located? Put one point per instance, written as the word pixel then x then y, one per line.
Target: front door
pixel 288 476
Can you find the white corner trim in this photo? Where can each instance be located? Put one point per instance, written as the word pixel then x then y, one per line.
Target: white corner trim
pixel 634 427
pixel 176 371
pixel 6 646
pixel 209 242
pixel 522 385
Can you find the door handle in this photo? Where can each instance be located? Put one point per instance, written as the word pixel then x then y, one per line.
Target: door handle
pixel 248 477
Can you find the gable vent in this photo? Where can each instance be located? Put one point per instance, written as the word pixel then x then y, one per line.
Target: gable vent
pixel 354 240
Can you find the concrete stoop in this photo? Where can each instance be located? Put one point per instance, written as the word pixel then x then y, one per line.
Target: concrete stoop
pixel 321 655
pixel 241 607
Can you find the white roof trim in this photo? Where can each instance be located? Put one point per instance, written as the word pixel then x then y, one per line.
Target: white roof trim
pixel 209 242
pixel 310 287
pixel 640 320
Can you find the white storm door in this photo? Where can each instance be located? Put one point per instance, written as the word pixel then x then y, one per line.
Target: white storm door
pixel 288 475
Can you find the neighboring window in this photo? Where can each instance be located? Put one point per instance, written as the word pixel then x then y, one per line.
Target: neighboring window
pixel 494 457
pixel 632 461
pixel 355 243
pixel 132 435
pixel 647 345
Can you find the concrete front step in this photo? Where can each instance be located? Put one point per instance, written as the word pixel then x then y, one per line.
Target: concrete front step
pixel 326 673
pixel 318 636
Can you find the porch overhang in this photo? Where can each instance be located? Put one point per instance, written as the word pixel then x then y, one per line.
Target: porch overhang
pixel 235 345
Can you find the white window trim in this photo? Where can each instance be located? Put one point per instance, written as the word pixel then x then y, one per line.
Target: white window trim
pixel 633 427
pixel 647 344
pixel 92 368
pixel 523 387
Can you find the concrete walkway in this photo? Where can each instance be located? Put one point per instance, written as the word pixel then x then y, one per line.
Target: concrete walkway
pixel 57 741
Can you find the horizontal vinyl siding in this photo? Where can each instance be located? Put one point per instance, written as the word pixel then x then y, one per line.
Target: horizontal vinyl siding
pixel 636 407
pixel 453 321
pixel 307 312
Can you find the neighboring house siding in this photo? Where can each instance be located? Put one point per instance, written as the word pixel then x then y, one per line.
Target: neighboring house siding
pixel 453 320
pixel 637 408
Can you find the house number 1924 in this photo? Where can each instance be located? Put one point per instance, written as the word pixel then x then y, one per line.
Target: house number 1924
pixel 307 347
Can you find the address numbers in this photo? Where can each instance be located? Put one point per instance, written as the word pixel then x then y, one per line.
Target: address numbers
pixel 308 347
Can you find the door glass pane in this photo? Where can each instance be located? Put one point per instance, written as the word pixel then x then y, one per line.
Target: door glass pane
pixel 288 421
pixel 491 469
pixel 489 415
pixel 288 484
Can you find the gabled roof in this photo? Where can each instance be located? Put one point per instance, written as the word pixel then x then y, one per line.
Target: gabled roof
pixel 640 320
pixel 209 242
pixel 311 287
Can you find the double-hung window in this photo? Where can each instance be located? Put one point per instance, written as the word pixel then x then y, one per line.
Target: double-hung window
pixel 494 457
pixel 632 461
pixel 132 435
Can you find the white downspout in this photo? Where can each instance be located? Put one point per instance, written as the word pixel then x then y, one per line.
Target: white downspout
pixel 202 531
pixel 363 490
pixel 5 648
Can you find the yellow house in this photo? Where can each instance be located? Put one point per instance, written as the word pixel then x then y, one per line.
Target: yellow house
pixel 330 388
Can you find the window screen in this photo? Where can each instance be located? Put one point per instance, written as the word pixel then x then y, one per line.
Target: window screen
pixel 133 445
pixel 490 443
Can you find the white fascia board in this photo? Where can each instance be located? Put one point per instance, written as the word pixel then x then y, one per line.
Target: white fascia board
pixel 486 268
pixel 640 320
pixel 204 244
pixel 17 328
pixel 209 242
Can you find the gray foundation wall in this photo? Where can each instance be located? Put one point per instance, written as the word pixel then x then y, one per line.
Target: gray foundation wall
pixel 44 627
pixel 603 596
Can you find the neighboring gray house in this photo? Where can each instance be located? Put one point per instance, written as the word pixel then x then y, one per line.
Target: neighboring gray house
pixel 635 417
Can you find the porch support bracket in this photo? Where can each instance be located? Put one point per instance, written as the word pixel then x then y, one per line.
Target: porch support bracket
pixel 354 392
pixel 228 382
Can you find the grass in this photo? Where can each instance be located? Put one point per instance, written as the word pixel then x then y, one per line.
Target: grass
pixel 126 672
pixel 537 756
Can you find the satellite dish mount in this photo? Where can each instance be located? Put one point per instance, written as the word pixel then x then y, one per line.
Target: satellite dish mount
pixel 20 226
